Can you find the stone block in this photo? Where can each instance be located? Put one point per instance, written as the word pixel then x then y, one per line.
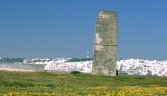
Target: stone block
pixel 105 44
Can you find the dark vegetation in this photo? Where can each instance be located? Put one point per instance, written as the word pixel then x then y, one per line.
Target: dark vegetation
pixel 79 59
pixel 11 60
pixel 75 72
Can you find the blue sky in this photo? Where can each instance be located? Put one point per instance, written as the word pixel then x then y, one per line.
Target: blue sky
pixel 66 28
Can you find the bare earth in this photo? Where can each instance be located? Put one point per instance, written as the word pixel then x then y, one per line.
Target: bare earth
pixel 10 69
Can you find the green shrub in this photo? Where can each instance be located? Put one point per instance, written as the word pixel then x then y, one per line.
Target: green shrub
pixel 75 72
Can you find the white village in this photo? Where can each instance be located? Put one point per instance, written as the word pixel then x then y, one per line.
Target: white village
pixel 124 67
pixel 128 67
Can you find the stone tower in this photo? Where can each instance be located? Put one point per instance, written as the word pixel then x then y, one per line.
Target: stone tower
pixel 105 44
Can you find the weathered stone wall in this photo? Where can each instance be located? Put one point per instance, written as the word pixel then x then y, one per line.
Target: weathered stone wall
pixel 105 44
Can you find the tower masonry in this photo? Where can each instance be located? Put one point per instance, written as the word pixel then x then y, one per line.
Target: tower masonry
pixel 105 44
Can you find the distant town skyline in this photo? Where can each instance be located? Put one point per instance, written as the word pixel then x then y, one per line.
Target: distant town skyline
pixel 66 28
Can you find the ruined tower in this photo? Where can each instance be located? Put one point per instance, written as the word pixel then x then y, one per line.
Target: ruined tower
pixel 105 44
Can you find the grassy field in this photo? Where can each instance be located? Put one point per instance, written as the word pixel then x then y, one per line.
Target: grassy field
pixel 14 83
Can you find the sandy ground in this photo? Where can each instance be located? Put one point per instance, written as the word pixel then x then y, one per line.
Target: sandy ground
pixel 10 69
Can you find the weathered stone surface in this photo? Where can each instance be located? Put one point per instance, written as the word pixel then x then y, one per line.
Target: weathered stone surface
pixel 105 48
